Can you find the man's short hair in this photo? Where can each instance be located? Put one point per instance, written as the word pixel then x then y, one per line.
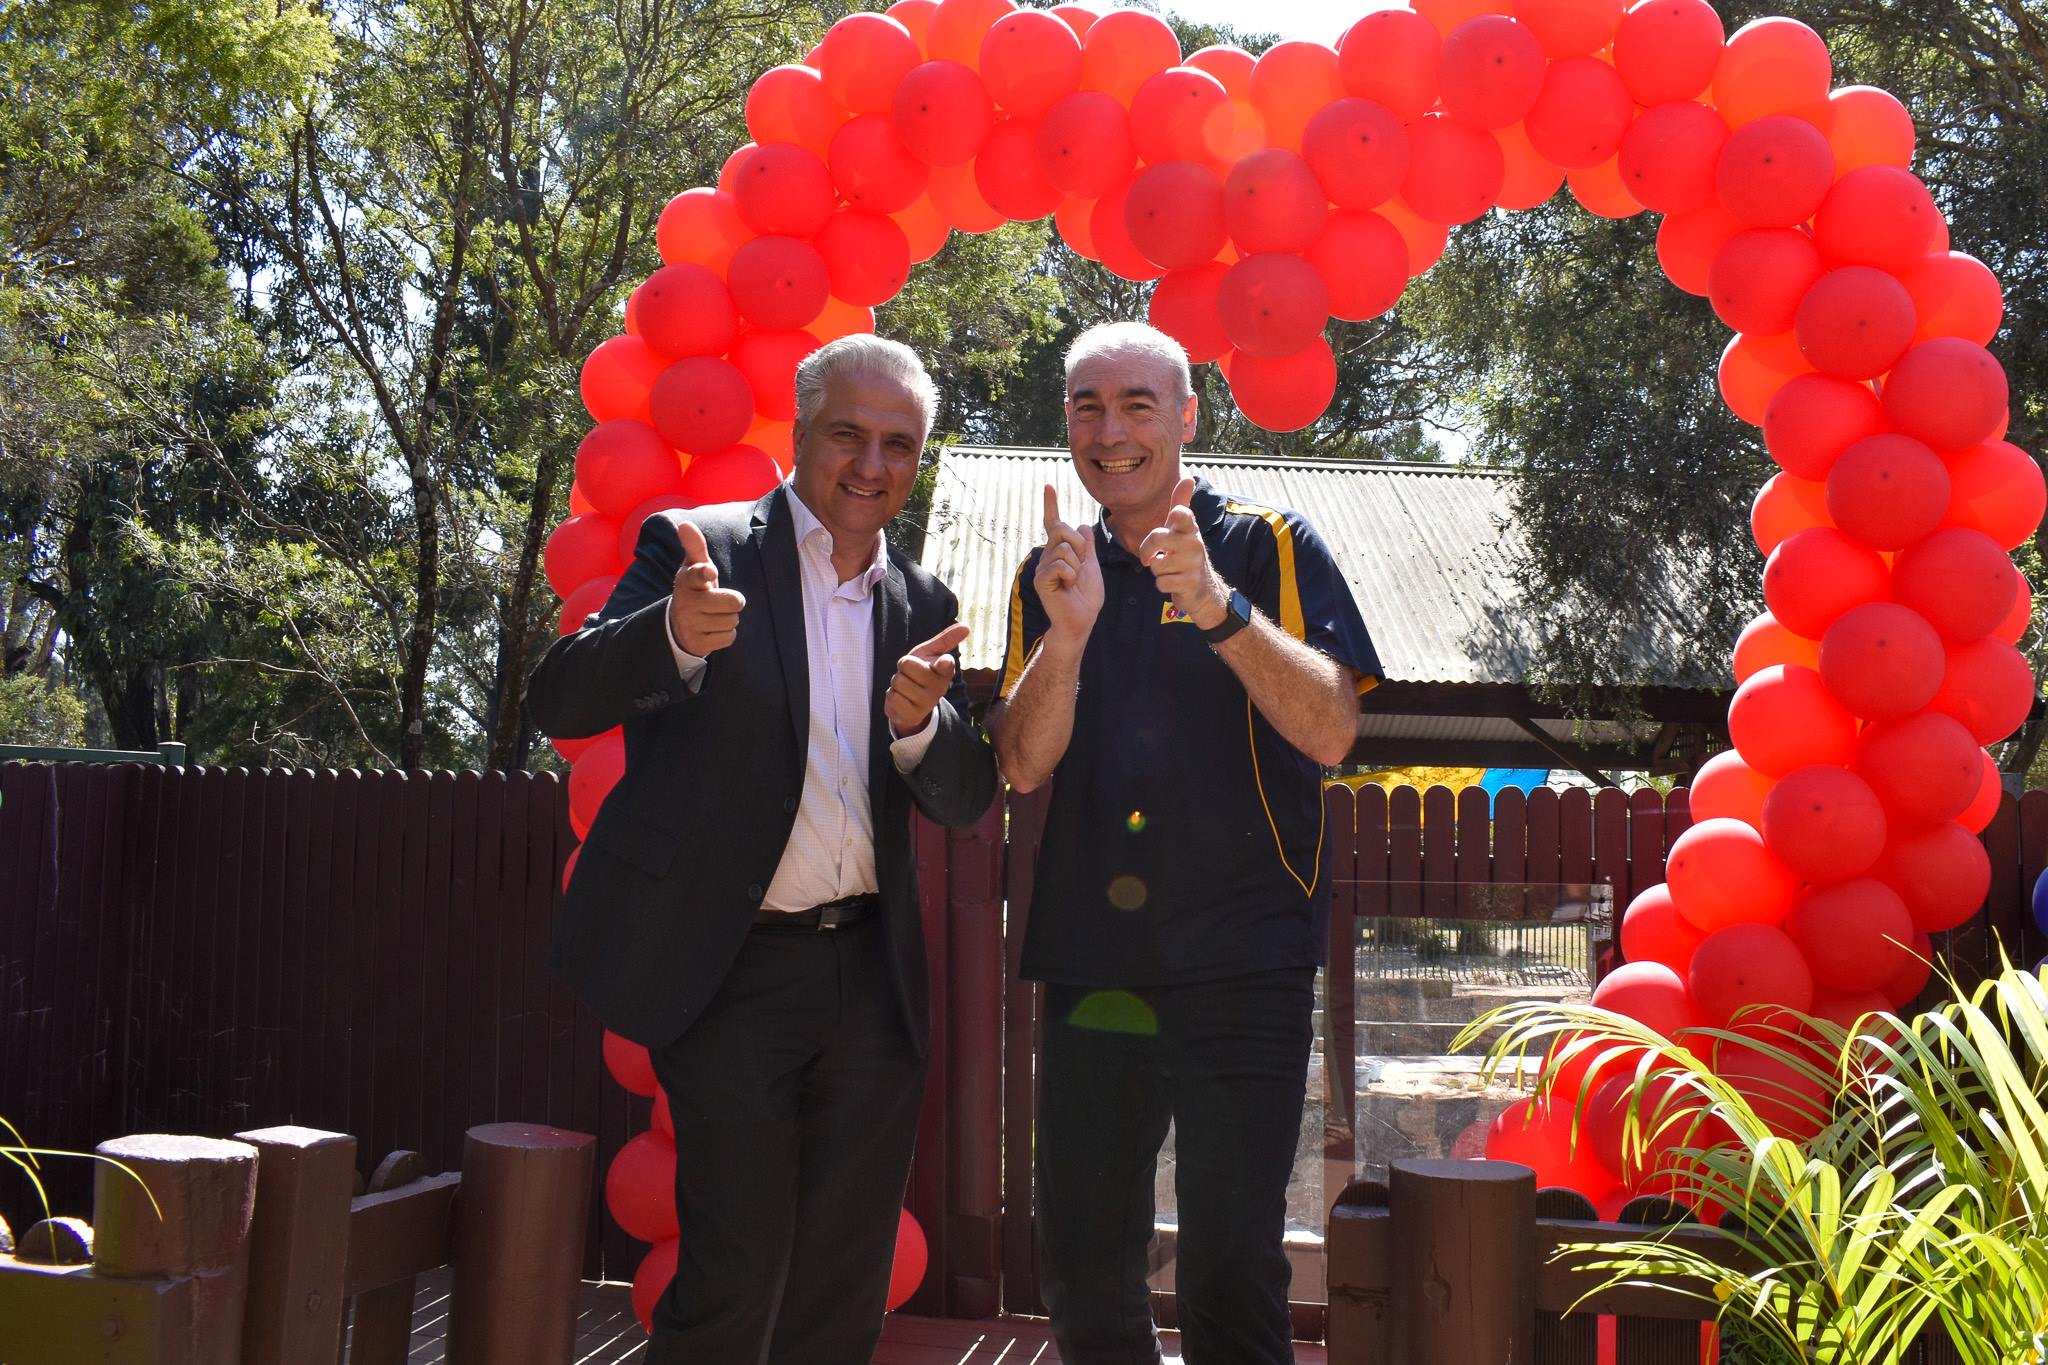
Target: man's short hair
pixel 863 354
pixel 1131 338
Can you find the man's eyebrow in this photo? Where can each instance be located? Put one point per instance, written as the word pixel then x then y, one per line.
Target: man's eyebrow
pixel 1088 391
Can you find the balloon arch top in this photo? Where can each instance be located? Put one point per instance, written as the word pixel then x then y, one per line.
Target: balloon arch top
pixel 1267 196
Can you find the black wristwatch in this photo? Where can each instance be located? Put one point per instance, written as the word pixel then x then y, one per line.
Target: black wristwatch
pixel 1236 617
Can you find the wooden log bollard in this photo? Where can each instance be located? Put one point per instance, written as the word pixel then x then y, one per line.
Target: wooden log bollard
pixel 519 1223
pixel 1464 1277
pixel 298 1244
pixel 204 1192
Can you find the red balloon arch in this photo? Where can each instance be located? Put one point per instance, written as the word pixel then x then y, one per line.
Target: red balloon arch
pixel 1267 196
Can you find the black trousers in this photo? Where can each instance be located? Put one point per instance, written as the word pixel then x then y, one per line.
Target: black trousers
pixel 795 1097
pixel 1227 1062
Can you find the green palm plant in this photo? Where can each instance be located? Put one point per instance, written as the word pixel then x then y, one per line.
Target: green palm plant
pixel 14 1150
pixel 1920 1196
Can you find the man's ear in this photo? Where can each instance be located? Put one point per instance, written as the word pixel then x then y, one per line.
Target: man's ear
pixel 1187 419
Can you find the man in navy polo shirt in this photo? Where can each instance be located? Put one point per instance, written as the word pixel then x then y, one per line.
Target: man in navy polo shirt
pixel 1184 669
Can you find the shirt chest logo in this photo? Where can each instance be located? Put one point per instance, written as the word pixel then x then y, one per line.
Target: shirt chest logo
pixel 1169 613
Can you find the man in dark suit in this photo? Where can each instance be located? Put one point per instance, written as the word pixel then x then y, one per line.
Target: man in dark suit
pixel 744 904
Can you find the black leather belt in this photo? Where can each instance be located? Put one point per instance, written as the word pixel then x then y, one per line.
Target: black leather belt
pixel 839 914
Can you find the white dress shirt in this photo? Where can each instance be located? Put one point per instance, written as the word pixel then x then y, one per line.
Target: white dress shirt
pixel 831 849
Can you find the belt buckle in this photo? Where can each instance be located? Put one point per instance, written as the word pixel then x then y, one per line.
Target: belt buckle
pixel 825 922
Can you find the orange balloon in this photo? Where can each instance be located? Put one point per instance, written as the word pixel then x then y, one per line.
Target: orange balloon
pixel 1074 220
pixel 1124 49
pixel 1870 128
pixel 915 15
pixel 1447 15
pixel 925 229
pixel 958 200
pixel 1726 788
pixel 1392 57
pixel 839 319
pixel 1771 66
pixel 1570 28
pixel 700 227
pixel 1231 66
pixel 1688 242
pixel 790 104
pixel 1291 83
pixel 1425 240
pixel 1530 178
pixel 1766 643
pixel 958 28
pixel 862 60
pixel 1600 191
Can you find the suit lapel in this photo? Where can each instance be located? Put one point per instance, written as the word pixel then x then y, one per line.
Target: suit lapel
pixel 892 641
pixel 775 538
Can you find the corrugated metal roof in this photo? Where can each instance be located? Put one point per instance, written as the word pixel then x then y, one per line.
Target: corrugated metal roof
pixel 1428 550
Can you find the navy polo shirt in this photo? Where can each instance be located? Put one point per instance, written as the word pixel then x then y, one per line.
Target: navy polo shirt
pixel 1183 840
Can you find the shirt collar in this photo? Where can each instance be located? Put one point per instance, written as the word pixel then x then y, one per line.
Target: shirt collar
pixel 1207 504
pixel 806 524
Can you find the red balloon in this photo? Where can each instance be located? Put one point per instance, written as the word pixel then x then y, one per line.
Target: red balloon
pixel 1766 643
pixel 1844 1009
pixel 1948 392
pixel 1606 1120
pixel 651 1280
pixel 702 404
pixel 1868 127
pixel 1272 202
pixel 1125 48
pixel 863 58
pixel 632 523
pixel 1668 160
pixel 629 1064
pixel 1817 575
pixel 1996 488
pixel 1925 768
pixel 1791 1102
pixel 1112 239
pixel 1359 152
pixel 1954 295
pixel 769 361
pixel 1726 788
pixel 580 549
pixel 1688 242
pixel 1744 966
pixel 1721 873
pixel 1775 172
pixel 779 283
pixel 1538 1134
pixel 1455 171
pixel 1392 56
pixel 592 778
pixel 1959 580
pixel 700 227
pixel 1943 875
pixel 1363 262
pixel 640 1188
pixel 1855 322
pixel 1273 304
pixel 2020 619
pixel 1652 930
pixel 1785 718
pixel 957 197
pixel 1649 993
pixel 866 255
pixel 1758 278
pixel 958 28
pixel 1184 307
pixel 686 310
pixel 1171 113
pixel 1084 145
pixel 618 376
pixel 1878 216
pixel 1825 823
pixel 1988 687
pixel 1030 61
pixel 623 462
pixel 1984 805
pixel 1786 505
pixel 1174 214
pixel 907 1265
pixel 873 168
pixel 942 113
pixel 1816 417
pixel 1284 393
pixel 729 171
pixel 790 104
pixel 659 1116
pixel 740 473
pixel 1882 660
pixel 1904 988
pixel 1667 50
pixel 1492 71
pixel 1888 491
pixel 783 190
pixel 1582 114
pixel 1009 175
pixel 1771 66
pixel 1291 82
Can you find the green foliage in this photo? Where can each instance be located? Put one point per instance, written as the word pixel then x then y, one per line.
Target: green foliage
pixel 1922 1197
pixel 39 711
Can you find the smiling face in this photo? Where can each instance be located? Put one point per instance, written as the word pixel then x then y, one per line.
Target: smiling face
pixel 857 459
pixel 1126 424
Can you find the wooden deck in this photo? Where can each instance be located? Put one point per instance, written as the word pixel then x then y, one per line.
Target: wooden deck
pixel 606 1334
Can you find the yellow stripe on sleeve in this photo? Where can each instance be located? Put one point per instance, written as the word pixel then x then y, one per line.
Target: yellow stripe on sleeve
pixel 1291 619
pixel 1013 657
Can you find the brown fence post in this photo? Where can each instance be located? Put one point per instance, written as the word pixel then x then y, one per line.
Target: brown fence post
pixel 1358 1275
pixel 519 1244
pixel 1464 1276
pixel 298 1245
pixel 198 1227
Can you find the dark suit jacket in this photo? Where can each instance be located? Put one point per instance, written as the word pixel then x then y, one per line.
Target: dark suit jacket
pixel 682 851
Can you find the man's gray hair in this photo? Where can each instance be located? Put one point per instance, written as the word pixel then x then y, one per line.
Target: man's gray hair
pixel 1131 338
pixel 863 354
